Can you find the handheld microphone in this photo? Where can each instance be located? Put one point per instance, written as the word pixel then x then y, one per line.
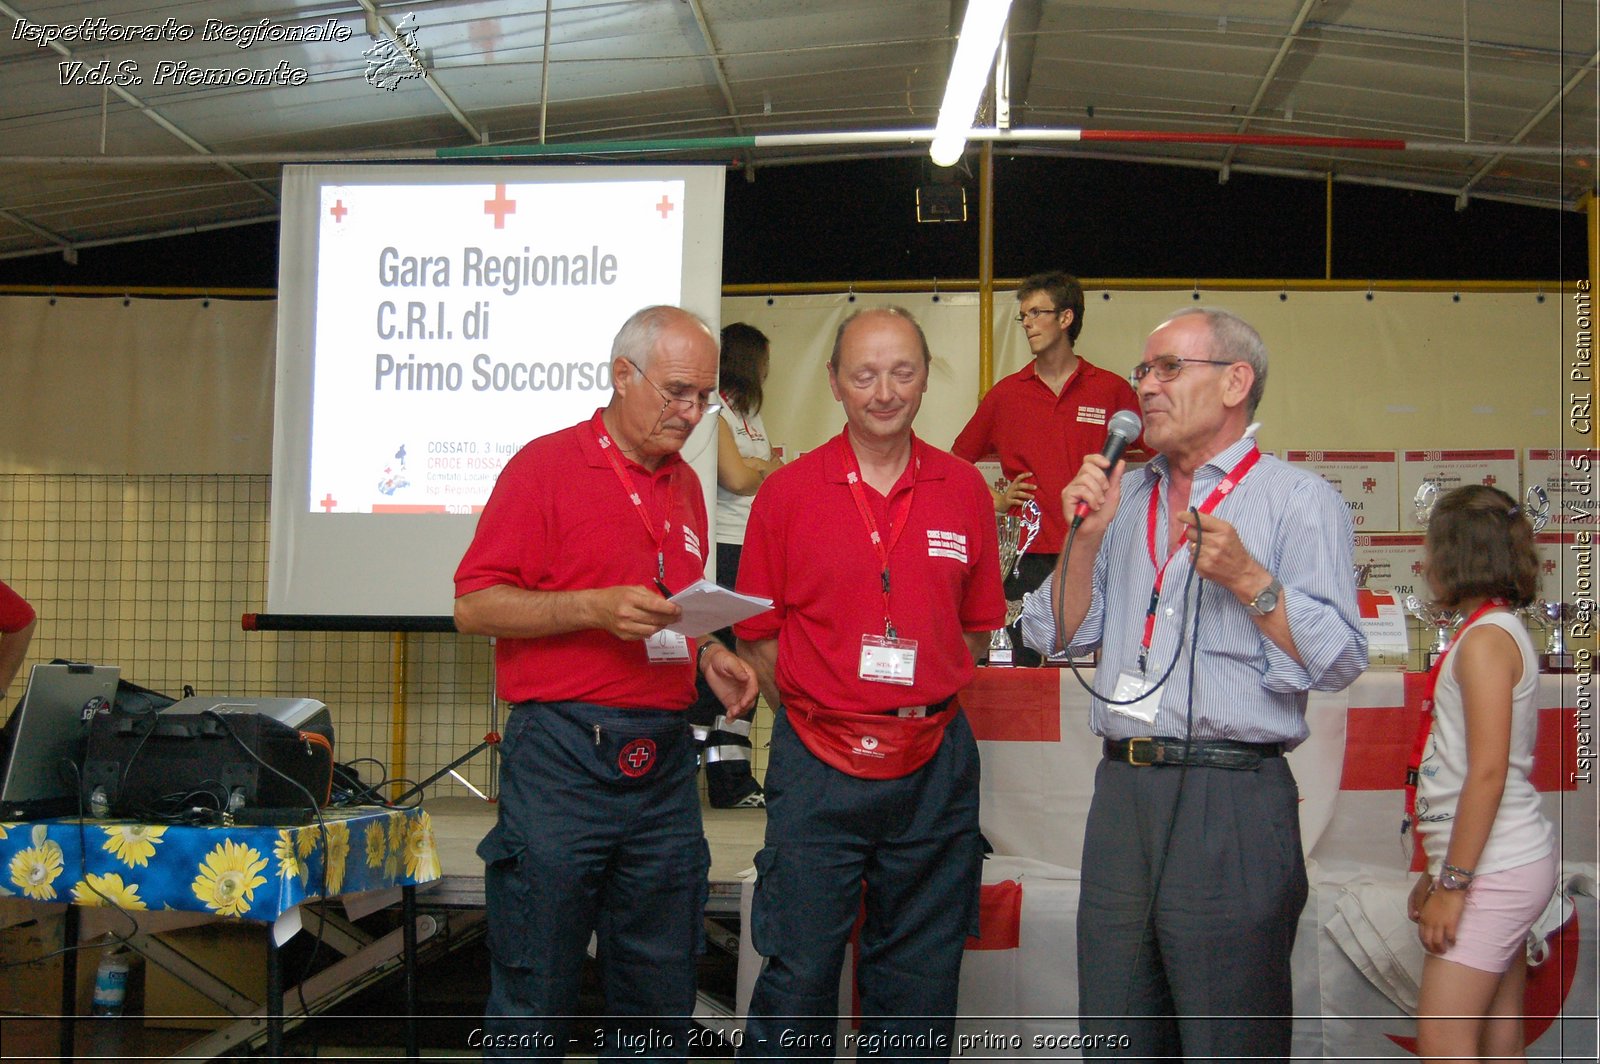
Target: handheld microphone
pixel 1121 430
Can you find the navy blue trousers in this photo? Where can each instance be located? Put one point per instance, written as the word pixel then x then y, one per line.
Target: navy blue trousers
pixel 580 847
pixel 913 844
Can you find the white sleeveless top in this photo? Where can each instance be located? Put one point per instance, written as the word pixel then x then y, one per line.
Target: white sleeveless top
pixel 1521 833
pixel 750 435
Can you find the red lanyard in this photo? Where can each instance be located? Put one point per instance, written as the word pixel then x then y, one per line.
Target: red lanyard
pixel 749 432
pixel 609 449
pixel 1218 493
pixel 899 510
pixel 1425 725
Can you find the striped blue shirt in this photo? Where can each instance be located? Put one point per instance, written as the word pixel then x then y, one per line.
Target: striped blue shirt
pixel 1245 688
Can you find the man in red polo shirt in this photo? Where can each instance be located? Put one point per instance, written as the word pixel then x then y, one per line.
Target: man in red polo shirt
pixel 1042 420
pixel 878 552
pixel 599 826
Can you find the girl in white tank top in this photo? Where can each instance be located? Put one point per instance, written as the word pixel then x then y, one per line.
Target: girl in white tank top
pixel 1490 849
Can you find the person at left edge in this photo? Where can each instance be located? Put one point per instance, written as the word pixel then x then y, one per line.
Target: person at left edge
pixel 878 552
pixel 599 826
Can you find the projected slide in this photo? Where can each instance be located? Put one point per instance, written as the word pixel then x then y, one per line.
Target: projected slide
pixel 434 319
pixel 453 321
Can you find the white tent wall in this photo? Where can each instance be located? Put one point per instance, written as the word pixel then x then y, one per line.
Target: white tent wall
pixel 154 386
pixel 1402 370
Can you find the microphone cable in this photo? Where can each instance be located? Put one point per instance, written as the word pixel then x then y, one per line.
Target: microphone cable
pixel 1160 868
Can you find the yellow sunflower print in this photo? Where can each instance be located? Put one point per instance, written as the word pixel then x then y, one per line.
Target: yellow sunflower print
pixel 108 889
pixel 377 844
pixel 35 869
pixel 337 852
pixel 397 844
pixel 133 844
pixel 422 859
pixel 283 850
pixel 229 877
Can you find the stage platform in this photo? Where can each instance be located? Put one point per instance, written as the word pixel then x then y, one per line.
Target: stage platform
pixel 460 823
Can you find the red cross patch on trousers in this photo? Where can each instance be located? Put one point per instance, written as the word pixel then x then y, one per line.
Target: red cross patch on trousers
pixel 637 757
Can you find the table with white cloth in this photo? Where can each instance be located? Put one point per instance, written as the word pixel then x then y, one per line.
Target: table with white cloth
pixel 1356 957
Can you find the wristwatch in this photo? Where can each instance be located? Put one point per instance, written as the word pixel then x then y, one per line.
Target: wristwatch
pixel 1267 601
pixel 1452 878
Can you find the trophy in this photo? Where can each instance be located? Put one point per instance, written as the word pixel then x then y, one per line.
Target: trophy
pixel 1016 533
pixel 1426 497
pixel 1440 618
pixel 1536 504
pixel 1552 617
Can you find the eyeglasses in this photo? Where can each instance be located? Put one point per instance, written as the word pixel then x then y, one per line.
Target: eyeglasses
pixel 1027 316
pixel 682 402
pixel 1167 367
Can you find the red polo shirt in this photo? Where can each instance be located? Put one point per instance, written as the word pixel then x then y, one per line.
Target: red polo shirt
pixel 807 549
pixel 1032 428
pixel 15 613
pixel 558 520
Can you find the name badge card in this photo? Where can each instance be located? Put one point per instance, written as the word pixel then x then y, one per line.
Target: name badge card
pixel 885 660
pixel 1148 698
pixel 667 648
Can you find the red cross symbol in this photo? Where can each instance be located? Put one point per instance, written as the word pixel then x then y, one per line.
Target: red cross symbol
pixel 665 206
pixel 1549 567
pixel 500 206
pixel 1489 480
pixel 637 757
pixel 338 210
pixel 1368 484
pixel 328 503
pixel 1416 567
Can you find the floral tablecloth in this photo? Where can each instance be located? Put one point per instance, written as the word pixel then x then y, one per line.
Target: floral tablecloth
pixel 254 873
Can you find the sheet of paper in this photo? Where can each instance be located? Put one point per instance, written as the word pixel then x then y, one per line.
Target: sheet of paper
pixel 708 606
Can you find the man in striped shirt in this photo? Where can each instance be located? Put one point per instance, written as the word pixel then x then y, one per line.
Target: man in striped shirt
pixel 1193 877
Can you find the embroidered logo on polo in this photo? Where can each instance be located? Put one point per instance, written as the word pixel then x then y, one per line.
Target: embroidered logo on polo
pixel 951 545
pixel 1092 415
pixel 691 543
pixel 637 758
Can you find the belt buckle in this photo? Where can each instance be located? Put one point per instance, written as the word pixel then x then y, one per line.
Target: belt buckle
pixel 1133 744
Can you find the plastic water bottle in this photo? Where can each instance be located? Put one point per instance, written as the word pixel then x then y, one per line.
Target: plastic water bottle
pixel 111 982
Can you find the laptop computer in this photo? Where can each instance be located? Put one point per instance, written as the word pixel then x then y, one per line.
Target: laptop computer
pixel 40 774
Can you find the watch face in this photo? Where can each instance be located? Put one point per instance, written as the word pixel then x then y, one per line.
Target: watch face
pixel 1451 881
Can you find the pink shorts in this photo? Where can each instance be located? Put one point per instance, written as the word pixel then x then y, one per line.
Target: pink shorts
pixel 1501 908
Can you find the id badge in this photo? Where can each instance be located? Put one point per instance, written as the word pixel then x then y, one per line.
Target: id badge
pixel 667 648
pixel 885 660
pixel 1130 685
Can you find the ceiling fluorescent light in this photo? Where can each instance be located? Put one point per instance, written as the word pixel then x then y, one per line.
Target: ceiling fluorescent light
pixel 985 21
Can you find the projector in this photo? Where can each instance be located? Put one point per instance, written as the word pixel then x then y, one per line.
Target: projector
pixel 301 714
pixel 233 755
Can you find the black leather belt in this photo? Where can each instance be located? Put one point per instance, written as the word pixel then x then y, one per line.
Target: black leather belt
pixel 1212 753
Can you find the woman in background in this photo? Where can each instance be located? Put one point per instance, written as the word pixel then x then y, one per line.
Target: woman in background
pixel 1491 851
pixel 744 458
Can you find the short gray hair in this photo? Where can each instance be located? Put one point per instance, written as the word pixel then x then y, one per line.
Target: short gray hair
pixel 1234 340
pixel 636 340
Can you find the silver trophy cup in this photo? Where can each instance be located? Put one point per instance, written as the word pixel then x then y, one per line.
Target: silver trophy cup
pixel 1016 533
pixel 1552 617
pixel 1440 618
